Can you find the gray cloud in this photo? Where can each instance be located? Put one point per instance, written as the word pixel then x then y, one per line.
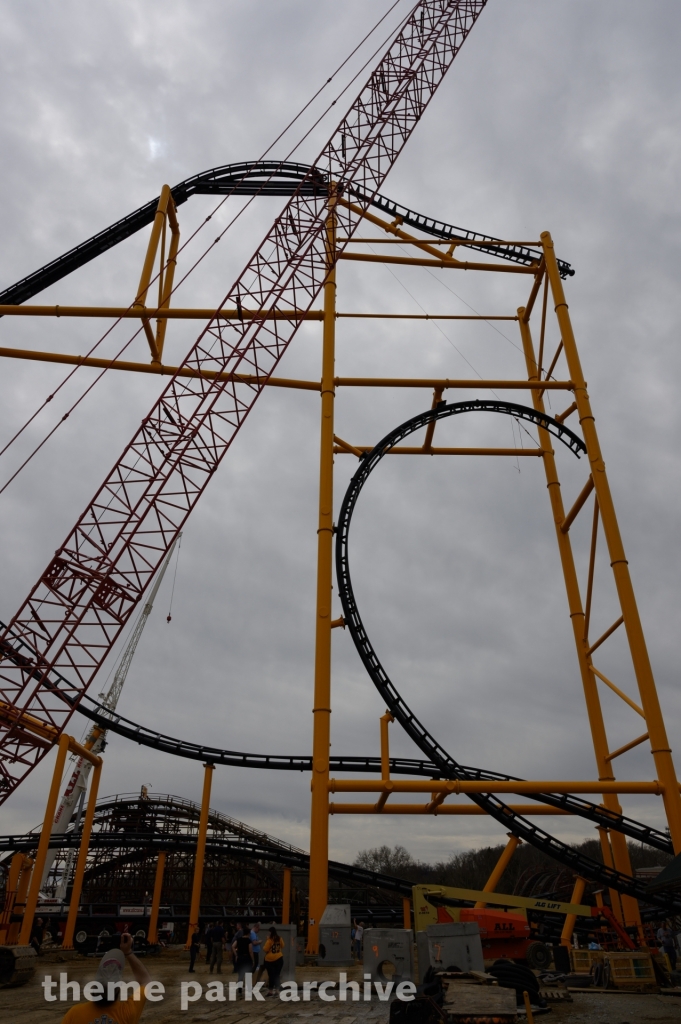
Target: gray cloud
pixel 558 116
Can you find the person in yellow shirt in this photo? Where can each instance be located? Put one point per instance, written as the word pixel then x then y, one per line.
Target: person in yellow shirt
pixel 274 959
pixel 115 1011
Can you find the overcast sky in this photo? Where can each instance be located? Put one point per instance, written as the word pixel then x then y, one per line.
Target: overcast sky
pixel 555 115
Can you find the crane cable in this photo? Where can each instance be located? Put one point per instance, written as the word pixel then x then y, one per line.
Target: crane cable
pixel 200 259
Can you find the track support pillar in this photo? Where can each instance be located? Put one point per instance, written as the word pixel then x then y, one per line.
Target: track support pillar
pixel 659 743
pixel 578 620
pixel 44 844
pixel 67 942
pixel 499 868
pixel 321 737
pixel 195 908
pixel 286 897
pixel 152 937
pixel 570 919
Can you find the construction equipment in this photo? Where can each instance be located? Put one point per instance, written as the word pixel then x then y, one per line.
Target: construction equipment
pixel 502 934
pixel 95 740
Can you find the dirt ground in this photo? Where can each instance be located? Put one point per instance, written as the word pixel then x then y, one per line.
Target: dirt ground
pixel 27 1005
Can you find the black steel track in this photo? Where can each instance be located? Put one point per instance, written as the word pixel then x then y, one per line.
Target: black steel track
pixel 113 722
pixel 256 177
pixel 398 707
pixel 240 848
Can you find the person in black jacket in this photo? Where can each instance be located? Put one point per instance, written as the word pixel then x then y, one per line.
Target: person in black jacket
pixel 194 948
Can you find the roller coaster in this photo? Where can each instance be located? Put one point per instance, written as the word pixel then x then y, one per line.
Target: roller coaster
pixel 54 646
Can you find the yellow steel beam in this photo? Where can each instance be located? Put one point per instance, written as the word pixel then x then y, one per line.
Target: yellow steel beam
pixel 627 746
pixel 468 243
pixel 604 637
pixel 195 908
pixel 163 313
pixel 445 383
pixel 578 505
pixel 321 717
pixel 403 450
pixel 169 313
pixel 499 868
pixel 465 809
pixel 165 371
pixel 67 941
pixel 496 786
pixel 44 842
pixel 450 264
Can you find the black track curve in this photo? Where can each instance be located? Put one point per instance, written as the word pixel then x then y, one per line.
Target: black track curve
pixel 112 721
pixel 255 177
pixel 449 768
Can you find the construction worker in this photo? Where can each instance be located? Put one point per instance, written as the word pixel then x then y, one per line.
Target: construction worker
pixel 357 938
pixel 217 934
pixel 110 970
pixel 194 948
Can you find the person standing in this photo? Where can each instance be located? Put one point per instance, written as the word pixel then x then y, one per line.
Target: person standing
pixel 238 934
pixel 209 943
pixel 194 949
pixel 359 933
pixel 274 959
pixel 665 936
pixel 255 943
pixel 243 956
pixel 217 934
pixel 110 970
pixel 37 934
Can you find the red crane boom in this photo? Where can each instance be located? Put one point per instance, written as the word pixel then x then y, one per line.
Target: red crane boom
pixel 58 639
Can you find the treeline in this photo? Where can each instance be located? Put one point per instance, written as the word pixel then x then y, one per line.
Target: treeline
pixel 529 873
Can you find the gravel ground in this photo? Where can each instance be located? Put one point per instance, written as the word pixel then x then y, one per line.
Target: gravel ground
pixel 27 1005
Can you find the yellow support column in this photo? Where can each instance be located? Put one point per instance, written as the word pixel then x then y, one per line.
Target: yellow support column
pixel 501 865
pixel 44 843
pixel 577 618
pixel 18 877
pixel 156 899
pixel 195 908
pixel 67 942
pixel 659 743
pixel 570 919
pixel 406 912
pixel 321 737
pixel 286 898
pixel 606 852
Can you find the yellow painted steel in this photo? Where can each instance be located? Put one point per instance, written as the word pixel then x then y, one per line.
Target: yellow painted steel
pixel 528 810
pixel 163 312
pixel 67 941
pixel 386 719
pixel 18 878
pixel 195 909
pixel 546 282
pixel 156 898
pixel 441 264
pixel 606 853
pixel 321 738
pixel 571 918
pixel 578 618
pixel 499 868
pixel 404 450
pixel 44 842
pixel 286 897
pixel 659 743
pixel 486 786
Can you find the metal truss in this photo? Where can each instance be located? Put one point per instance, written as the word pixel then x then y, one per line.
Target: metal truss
pixel 256 178
pixel 88 591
